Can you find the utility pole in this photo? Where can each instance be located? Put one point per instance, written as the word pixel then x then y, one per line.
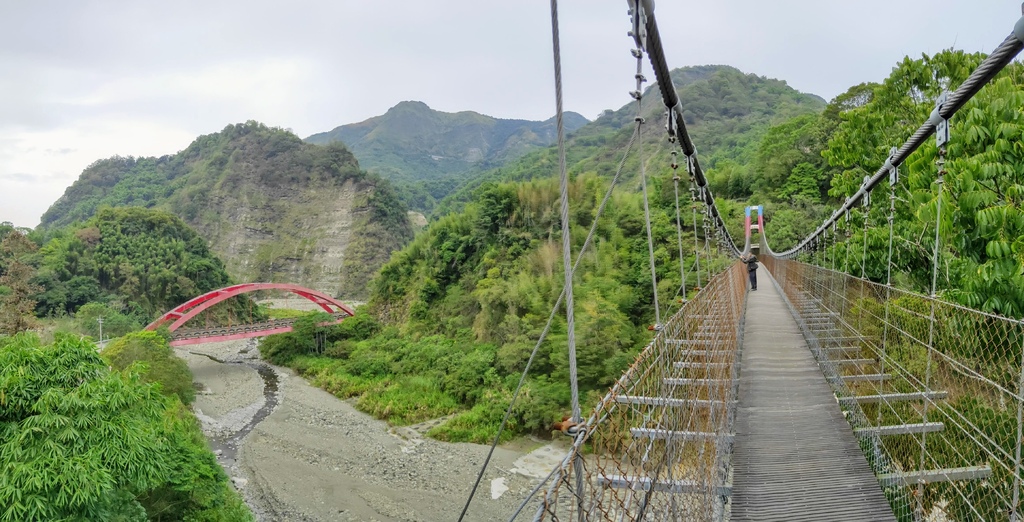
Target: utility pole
pixel 100 320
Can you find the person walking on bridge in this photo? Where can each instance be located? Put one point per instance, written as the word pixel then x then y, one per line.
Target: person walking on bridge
pixel 751 261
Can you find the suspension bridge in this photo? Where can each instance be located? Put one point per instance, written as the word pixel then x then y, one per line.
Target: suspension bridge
pixel 822 396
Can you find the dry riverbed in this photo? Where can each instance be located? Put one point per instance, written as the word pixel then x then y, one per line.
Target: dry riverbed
pixel 298 453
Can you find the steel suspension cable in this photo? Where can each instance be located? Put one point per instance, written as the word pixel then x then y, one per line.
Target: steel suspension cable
pixel 679 228
pixel 643 183
pixel 566 233
pixel 989 68
pixel 647 37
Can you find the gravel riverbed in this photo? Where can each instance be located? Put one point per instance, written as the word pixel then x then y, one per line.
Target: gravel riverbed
pixel 315 457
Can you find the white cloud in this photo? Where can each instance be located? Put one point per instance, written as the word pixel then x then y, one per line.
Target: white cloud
pixel 36 168
pixel 139 77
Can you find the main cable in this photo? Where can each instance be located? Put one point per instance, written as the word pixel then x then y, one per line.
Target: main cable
pixel 986 71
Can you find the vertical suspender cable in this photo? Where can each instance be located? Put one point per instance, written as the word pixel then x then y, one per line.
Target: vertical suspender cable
pixel 696 243
pixel 647 205
pixel 679 230
pixel 566 234
pixel 931 324
pixel 893 178
pixel 567 250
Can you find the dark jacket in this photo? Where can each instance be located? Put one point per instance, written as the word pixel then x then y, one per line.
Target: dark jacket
pixel 751 263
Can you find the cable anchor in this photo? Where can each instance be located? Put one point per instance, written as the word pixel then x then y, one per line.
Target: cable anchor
pixel 866 200
pixel 638 14
pixel 942 125
pixel 569 427
pixel 894 168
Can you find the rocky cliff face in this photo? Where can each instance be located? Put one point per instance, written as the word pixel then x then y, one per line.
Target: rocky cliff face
pixel 273 207
pixel 294 234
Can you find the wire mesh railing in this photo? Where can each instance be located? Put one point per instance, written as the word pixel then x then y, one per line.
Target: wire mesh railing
pixel 657 446
pixel 933 390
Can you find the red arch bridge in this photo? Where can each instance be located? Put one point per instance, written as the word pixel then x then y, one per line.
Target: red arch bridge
pixel 176 318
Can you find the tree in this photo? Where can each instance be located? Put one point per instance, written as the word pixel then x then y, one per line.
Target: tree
pixel 75 439
pixel 982 219
pixel 160 363
pixel 17 306
pixel 81 442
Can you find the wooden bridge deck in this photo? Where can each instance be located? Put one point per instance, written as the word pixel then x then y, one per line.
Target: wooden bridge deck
pixel 795 457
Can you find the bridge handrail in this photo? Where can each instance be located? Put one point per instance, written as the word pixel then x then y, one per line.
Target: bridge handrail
pixel 987 70
pixel 962 368
pixel 191 333
pixel 643 395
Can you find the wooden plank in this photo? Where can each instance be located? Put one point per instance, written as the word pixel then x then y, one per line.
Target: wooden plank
pixel 895 397
pixel 654 433
pixel 934 475
pixel 901 429
pixel 664 486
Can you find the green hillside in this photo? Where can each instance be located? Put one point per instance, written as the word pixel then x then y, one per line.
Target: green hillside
pixel 727 113
pixel 427 153
pixel 272 206
pixel 455 314
pixel 148 259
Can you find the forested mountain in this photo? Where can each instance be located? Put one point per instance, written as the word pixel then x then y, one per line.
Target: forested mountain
pixel 147 261
pixel 456 313
pixel 428 153
pixel 453 316
pixel 270 205
pixel 727 112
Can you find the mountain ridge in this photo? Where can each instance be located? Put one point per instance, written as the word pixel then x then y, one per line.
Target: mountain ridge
pixel 427 152
pixel 272 206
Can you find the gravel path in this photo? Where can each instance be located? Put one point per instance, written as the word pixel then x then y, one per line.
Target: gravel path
pixel 314 457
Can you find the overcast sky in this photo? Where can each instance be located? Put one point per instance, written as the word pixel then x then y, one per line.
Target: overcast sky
pixel 85 80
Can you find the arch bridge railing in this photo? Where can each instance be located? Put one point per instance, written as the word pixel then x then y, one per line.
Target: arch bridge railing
pixel 174 319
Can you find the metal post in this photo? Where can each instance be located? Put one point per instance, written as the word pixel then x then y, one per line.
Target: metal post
pixel 941 137
pixel 696 244
pixel 679 229
pixel 100 320
pixel 1014 515
pixel 893 179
